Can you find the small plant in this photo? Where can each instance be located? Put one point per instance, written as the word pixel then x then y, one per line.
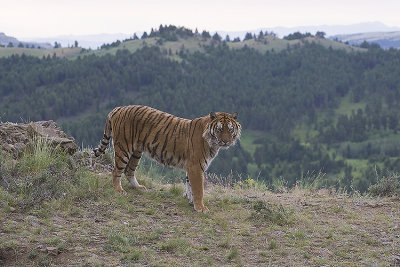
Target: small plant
pixel 233 254
pixel 279 185
pixel 225 243
pixel 133 256
pixel 386 187
pixel 176 190
pixel 175 244
pixel 276 214
pixel 310 180
pixel 117 242
pixel 272 244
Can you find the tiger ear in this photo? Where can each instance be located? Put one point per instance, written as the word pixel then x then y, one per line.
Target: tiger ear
pixel 213 115
pixel 235 115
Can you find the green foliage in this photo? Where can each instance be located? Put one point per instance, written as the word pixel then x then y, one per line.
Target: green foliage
pixel 297 35
pixel 44 173
pixel 175 245
pixel 386 187
pixel 271 213
pixel 273 93
pixel 41 174
pixel 233 254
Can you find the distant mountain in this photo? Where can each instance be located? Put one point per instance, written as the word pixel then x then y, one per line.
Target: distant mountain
pixel 386 40
pixel 6 40
pixel 328 29
pixel 92 41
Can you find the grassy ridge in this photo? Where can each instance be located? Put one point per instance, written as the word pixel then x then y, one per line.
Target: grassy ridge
pixel 192 44
pixel 59 52
pixel 58 212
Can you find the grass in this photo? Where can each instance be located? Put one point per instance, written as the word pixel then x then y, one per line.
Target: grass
pixel 72 52
pixel 194 44
pixel 386 187
pixel 81 216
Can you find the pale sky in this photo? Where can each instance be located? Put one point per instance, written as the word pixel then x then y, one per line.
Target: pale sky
pixel 44 18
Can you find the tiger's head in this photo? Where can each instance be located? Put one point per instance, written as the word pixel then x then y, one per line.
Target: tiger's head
pixel 223 130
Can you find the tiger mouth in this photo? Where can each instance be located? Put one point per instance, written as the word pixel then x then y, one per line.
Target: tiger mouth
pixel 224 145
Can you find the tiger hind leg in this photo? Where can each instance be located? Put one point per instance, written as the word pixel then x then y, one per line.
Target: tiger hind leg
pixel 116 174
pixel 131 168
pixel 188 194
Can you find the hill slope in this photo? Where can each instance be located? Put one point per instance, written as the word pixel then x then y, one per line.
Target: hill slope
pixel 60 213
pixel 192 43
pixel 385 40
pixel 7 40
pixel 305 109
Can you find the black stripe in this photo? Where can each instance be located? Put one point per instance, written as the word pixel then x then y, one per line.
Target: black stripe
pixel 136 157
pixel 133 169
pixel 148 148
pixel 128 144
pixel 139 114
pixel 173 131
pixel 117 122
pixel 156 137
pixel 194 128
pixel 115 111
pixel 169 123
pixel 151 127
pixel 120 168
pixel 106 137
pixel 153 153
pixel 201 166
pixel 145 122
pixel 174 145
pixel 121 159
pixel 104 143
pixel 164 146
pixel 122 150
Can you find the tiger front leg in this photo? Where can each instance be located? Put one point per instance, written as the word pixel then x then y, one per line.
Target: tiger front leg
pixel 131 168
pixel 196 179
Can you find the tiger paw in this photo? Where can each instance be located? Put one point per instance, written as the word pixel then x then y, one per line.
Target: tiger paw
pixel 201 208
pixel 141 187
pixel 120 190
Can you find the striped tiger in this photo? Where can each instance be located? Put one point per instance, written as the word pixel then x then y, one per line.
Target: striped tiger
pixel 190 145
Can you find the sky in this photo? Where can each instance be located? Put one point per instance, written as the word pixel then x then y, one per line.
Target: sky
pixel 44 18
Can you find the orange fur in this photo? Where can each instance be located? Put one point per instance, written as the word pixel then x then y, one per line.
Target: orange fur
pixel 187 144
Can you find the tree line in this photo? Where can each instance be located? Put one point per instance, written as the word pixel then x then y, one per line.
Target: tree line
pixel 273 92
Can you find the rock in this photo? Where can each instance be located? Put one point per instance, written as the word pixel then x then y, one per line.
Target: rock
pixel 49 131
pixel 52 250
pixel 8 147
pixel 15 137
pixel 33 220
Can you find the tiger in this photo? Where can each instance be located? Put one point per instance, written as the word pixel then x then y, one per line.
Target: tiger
pixel 190 145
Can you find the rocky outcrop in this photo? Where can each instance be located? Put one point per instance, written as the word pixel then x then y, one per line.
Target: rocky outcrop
pixel 15 137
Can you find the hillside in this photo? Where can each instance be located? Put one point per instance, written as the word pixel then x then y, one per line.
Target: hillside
pixel 191 43
pixel 385 40
pixel 7 40
pixel 57 212
pixel 306 108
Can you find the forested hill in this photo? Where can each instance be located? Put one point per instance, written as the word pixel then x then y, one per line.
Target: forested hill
pixel 305 108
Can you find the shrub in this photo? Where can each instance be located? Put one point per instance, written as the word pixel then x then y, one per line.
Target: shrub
pixel 276 214
pixel 42 173
pixel 386 187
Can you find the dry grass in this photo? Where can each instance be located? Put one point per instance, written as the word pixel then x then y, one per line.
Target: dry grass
pixel 91 225
pixel 158 227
